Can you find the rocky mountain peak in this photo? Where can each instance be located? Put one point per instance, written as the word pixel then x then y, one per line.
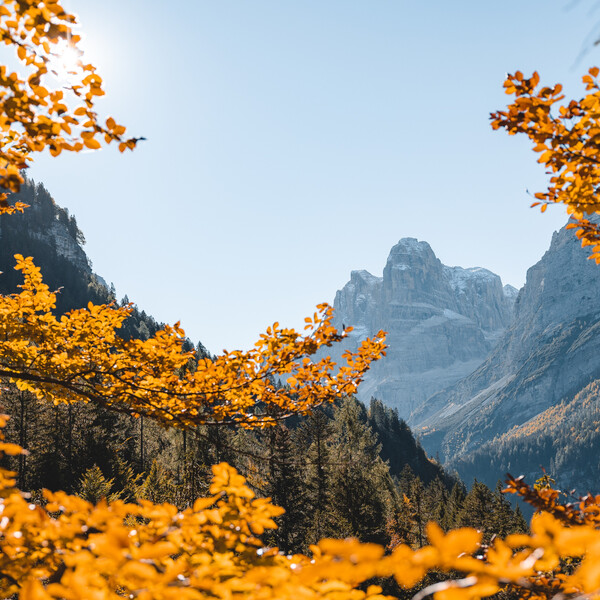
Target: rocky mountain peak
pixel 363 277
pixel 441 322
pixel 411 252
pixel 510 292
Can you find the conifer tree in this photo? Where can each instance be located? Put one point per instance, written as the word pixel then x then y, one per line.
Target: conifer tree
pixel 437 497
pixel 478 509
pixel 420 515
pixel 401 526
pixel 125 479
pixel 94 487
pixel 159 485
pixel 285 487
pixel 315 440
pixel 503 519
pixel 361 484
pixel 454 506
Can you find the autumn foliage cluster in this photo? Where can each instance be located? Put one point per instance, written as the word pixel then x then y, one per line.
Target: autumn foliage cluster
pixel 66 547
pixel 80 357
pixel 52 104
pixel 69 548
pixel 567 137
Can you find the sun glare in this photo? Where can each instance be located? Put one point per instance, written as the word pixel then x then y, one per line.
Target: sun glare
pixel 65 61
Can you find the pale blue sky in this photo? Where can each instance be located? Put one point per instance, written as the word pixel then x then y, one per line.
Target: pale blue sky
pixel 290 142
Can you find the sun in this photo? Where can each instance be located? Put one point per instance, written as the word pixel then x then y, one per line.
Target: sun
pixel 65 61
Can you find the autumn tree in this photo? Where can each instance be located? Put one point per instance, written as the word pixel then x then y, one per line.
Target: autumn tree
pixel 94 486
pixel 51 106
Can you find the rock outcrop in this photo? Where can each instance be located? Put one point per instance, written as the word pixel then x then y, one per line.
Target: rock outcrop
pixel 550 353
pixel 47 223
pixel 51 236
pixel 441 321
pixel 66 245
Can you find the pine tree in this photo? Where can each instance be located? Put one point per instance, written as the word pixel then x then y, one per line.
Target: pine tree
pixel 478 510
pixel 503 518
pixel 401 526
pixel 454 506
pixel 315 439
pixel 420 514
pixel 285 486
pixel 93 486
pixel 437 497
pixel 125 479
pixel 361 485
pixel 159 485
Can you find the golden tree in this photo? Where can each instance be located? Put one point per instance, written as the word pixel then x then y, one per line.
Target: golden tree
pixel 80 357
pixel 34 115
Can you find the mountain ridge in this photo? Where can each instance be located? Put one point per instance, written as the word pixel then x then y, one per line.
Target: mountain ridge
pixel 546 358
pixel 476 409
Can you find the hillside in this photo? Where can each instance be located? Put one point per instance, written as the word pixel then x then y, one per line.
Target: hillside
pixel 51 235
pixel 546 358
pixel 561 440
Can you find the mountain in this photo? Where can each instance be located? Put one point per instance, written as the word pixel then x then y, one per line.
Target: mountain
pixel 52 237
pixel 510 414
pixel 442 322
pixel 49 234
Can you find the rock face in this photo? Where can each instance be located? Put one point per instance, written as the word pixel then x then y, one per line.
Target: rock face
pixel 441 321
pixel 47 224
pixel 66 245
pixel 51 236
pixel 550 352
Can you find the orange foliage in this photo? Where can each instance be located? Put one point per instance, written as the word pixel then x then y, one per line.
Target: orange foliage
pixel 33 115
pixel 71 549
pixel 567 136
pixel 80 357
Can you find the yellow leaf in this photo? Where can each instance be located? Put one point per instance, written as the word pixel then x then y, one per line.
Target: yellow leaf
pixel 11 449
pixel 92 143
pixel 33 590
